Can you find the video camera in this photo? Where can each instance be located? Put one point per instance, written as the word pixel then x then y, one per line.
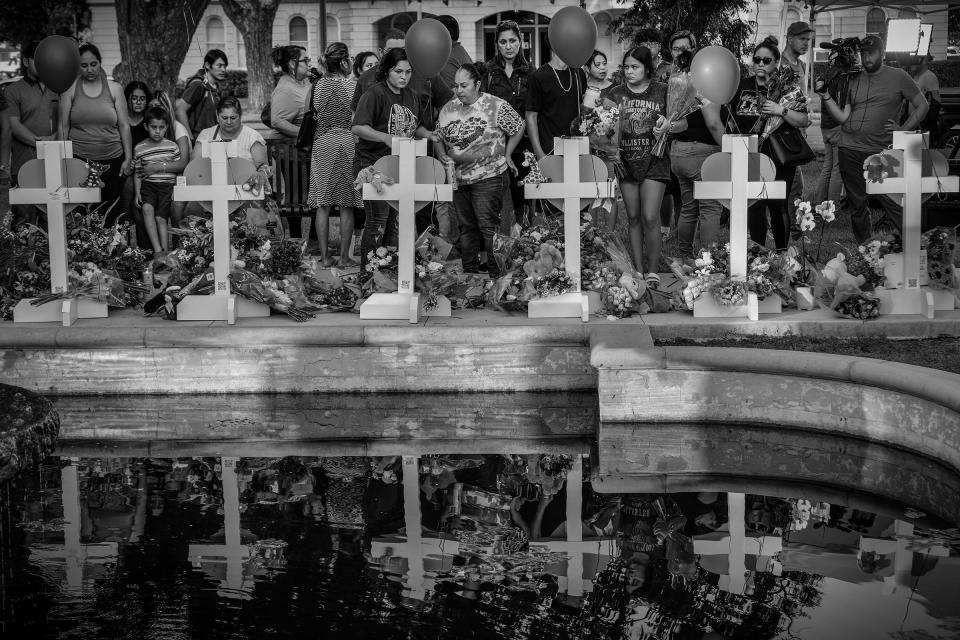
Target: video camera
pixel 844 63
pixel 844 54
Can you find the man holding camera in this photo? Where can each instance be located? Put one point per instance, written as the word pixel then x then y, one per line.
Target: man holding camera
pixel 868 120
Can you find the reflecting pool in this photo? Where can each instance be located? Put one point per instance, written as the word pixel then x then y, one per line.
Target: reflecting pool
pixel 457 545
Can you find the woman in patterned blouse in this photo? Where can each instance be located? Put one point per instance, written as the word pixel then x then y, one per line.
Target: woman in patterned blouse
pixel 479 132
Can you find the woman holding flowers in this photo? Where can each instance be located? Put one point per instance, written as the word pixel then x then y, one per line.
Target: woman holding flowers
pixel 643 177
pixel 597 79
pixel 752 102
pixel 480 132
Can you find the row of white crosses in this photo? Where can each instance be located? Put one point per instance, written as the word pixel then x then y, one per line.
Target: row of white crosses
pixel 407 193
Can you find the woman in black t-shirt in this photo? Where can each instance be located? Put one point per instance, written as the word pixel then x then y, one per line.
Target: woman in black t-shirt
pixel 749 104
pixel 386 110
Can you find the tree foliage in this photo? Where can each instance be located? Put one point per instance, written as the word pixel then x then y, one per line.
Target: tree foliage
pixel 714 22
pixel 254 21
pixel 154 39
pixel 23 21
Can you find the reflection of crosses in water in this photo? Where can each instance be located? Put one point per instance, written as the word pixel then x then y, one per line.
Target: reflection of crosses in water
pixel 74 553
pixel 58 198
pixel 436 554
pixel 901 548
pixel 222 305
pixel 736 545
pixel 911 188
pixel 232 553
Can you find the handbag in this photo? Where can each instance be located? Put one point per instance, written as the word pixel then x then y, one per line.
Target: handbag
pixel 308 128
pixel 789 148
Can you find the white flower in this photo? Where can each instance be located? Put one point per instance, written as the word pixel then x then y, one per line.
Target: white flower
pixel 803 207
pixel 536 236
pixel 807 224
pixel 381 252
pixel 434 266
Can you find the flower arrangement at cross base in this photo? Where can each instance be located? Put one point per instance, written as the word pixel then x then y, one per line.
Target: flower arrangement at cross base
pixel 101 265
pixel 806 217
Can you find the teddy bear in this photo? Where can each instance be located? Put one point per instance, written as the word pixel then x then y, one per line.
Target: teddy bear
pixel 545 260
pixel 835 272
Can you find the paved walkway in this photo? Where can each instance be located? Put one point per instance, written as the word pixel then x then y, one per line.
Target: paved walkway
pixel 129 327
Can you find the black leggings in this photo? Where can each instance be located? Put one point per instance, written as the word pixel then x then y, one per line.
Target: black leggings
pixel 112 191
pixel 779 214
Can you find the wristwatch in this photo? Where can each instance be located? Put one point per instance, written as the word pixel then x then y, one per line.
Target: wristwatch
pixel 784 113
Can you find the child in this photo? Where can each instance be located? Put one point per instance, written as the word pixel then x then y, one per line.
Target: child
pixel 154 192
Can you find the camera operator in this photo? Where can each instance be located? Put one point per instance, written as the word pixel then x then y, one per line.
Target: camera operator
pixel 868 121
pixel 844 62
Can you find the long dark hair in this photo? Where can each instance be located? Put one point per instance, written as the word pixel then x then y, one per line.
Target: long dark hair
pixel 361 60
pixel 521 59
pixel 390 60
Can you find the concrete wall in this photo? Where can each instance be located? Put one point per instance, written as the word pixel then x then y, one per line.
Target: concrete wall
pixel 898 405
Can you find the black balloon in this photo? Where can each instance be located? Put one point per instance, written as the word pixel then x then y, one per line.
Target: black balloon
pixel 58 62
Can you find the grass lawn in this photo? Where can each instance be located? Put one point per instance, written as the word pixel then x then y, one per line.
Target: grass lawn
pixel 936 353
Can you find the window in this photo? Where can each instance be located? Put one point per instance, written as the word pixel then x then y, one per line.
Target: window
pixel 298 31
pixel 877 22
pixel 533 30
pixel 792 16
pixel 216 36
pixel 333 29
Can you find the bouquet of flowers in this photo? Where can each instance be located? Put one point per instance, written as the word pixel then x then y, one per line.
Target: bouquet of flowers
pixel 730 292
pixel 682 101
pixel 785 89
pixel 85 279
pixel 600 124
pixel 942 257
pixel 708 270
pixel 285 295
pixel 867 260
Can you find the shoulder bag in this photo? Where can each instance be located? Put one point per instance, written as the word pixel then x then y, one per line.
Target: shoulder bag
pixel 789 148
pixel 308 128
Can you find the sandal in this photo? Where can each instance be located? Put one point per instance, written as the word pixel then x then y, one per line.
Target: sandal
pixel 652 280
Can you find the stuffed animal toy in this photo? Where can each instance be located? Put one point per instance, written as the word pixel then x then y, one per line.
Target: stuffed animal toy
pixel 835 272
pixel 547 258
pixel 94 171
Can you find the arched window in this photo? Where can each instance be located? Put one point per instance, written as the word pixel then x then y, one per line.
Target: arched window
pixel 333 29
pixel 298 31
pixel 216 35
pixel 792 16
pixel 876 22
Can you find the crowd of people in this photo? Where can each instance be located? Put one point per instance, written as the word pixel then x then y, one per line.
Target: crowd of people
pixel 480 120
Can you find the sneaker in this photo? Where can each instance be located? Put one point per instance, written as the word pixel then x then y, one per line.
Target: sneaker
pixel 652 280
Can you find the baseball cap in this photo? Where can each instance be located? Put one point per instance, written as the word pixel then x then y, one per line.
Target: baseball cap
pixel 871 43
pixel 798 28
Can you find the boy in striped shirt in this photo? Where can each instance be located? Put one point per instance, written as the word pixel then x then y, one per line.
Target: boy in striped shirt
pixel 154 193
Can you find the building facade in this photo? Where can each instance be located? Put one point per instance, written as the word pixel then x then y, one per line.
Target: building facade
pixel 362 23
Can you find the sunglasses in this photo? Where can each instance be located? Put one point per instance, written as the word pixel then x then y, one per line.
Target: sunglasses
pixel 764 60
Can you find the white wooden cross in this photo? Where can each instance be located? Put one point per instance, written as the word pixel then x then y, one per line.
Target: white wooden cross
pixel 901 548
pixel 58 198
pixel 574 303
pixel 736 545
pixel 232 553
pixel 75 554
pixel 221 305
pixel 912 298
pixel 735 193
pixel 405 304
